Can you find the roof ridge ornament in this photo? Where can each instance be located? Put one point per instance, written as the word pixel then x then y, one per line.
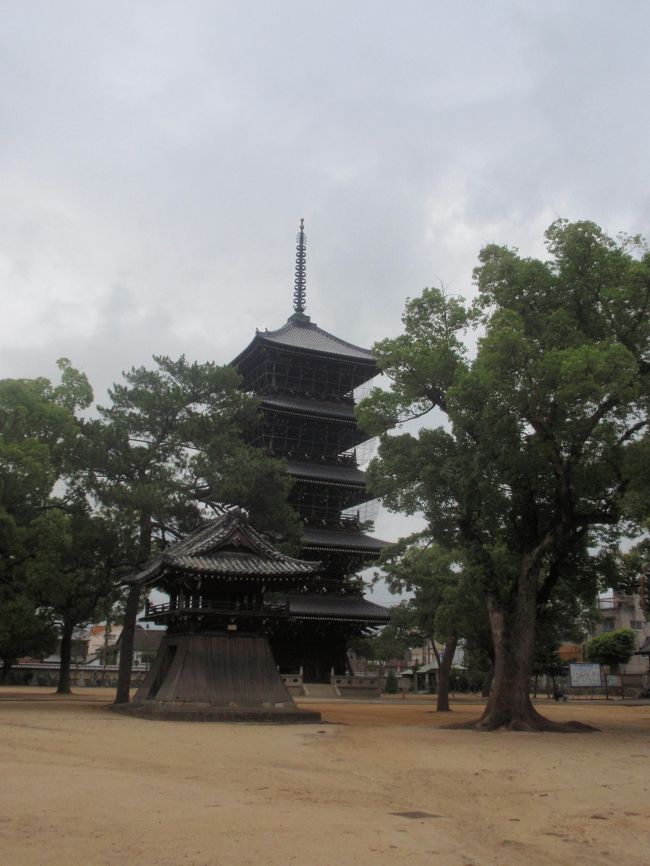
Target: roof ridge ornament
pixel 300 282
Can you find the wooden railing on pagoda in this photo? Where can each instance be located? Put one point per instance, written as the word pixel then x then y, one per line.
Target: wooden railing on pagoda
pixel 197 605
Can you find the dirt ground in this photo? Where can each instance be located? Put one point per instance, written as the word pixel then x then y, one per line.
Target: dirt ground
pixel 376 784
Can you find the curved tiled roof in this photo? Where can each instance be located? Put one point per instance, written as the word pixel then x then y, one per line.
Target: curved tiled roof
pixel 348 475
pixel 241 564
pixel 331 539
pixel 342 608
pixel 300 333
pixel 227 545
pixel 320 408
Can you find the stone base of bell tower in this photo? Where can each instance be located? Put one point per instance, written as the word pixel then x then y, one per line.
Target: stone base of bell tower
pixel 215 676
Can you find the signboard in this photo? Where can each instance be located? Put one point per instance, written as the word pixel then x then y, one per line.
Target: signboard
pixel 585 676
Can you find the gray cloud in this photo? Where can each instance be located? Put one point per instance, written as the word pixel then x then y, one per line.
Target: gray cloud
pixel 155 159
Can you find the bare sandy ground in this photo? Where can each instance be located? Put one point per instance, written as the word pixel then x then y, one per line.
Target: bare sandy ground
pixel 378 784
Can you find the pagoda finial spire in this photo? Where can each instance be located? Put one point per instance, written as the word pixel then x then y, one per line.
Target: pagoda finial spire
pixel 300 282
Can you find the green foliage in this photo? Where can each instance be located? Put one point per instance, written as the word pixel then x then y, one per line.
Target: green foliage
pixel 394 639
pixel 40 508
pixel 536 470
pixel 611 647
pixel 71 570
pixel 391 682
pixel 39 440
pixel 542 421
pixel 445 604
pixel 169 449
pixel 23 631
pixel 83 501
pixel 39 443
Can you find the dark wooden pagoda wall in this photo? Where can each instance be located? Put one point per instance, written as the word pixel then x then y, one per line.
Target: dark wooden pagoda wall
pixel 322 647
pixel 313 439
pixel 320 504
pixel 309 438
pixel 299 375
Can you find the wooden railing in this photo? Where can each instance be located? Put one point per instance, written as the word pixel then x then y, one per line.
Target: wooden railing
pixel 199 604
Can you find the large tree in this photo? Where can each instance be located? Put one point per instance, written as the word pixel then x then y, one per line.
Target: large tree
pixel 40 435
pixel 530 472
pixel 72 572
pixel 169 450
pixel 23 631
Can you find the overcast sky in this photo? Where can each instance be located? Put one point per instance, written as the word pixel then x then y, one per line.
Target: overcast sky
pixel 156 157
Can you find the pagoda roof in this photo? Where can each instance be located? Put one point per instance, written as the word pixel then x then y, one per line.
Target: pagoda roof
pixel 226 546
pixel 342 608
pixel 321 408
pixel 241 564
pixel 300 334
pixel 349 476
pixel 332 539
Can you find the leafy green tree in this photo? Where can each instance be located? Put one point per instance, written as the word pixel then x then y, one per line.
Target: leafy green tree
pixel 71 572
pixel 445 602
pixel 23 631
pixel 394 639
pixel 39 444
pixel 391 682
pixel 611 648
pixel 567 618
pixel 40 435
pixel 169 450
pixel 543 429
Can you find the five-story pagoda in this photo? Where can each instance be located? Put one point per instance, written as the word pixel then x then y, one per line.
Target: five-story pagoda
pixel 306 379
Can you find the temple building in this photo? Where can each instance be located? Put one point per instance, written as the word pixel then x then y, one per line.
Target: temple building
pixel 305 378
pixel 226 586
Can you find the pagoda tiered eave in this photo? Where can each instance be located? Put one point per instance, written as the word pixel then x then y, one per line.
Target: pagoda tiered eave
pixel 344 476
pixel 323 410
pixel 336 608
pixel 328 540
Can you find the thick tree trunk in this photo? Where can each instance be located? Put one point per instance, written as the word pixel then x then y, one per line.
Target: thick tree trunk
pixel 122 694
pixel 63 687
pixel 444 672
pixel 513 634
pixel 7 665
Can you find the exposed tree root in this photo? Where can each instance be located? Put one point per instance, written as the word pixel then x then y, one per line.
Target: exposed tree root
pixel 530 720
pixel 546 725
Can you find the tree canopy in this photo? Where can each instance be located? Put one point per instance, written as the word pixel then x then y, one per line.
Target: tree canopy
pixel 611 647
pixel 170 447
pixel 40 443
pixel 83 500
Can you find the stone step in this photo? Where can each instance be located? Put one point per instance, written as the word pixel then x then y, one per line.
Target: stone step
pixel 320 690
